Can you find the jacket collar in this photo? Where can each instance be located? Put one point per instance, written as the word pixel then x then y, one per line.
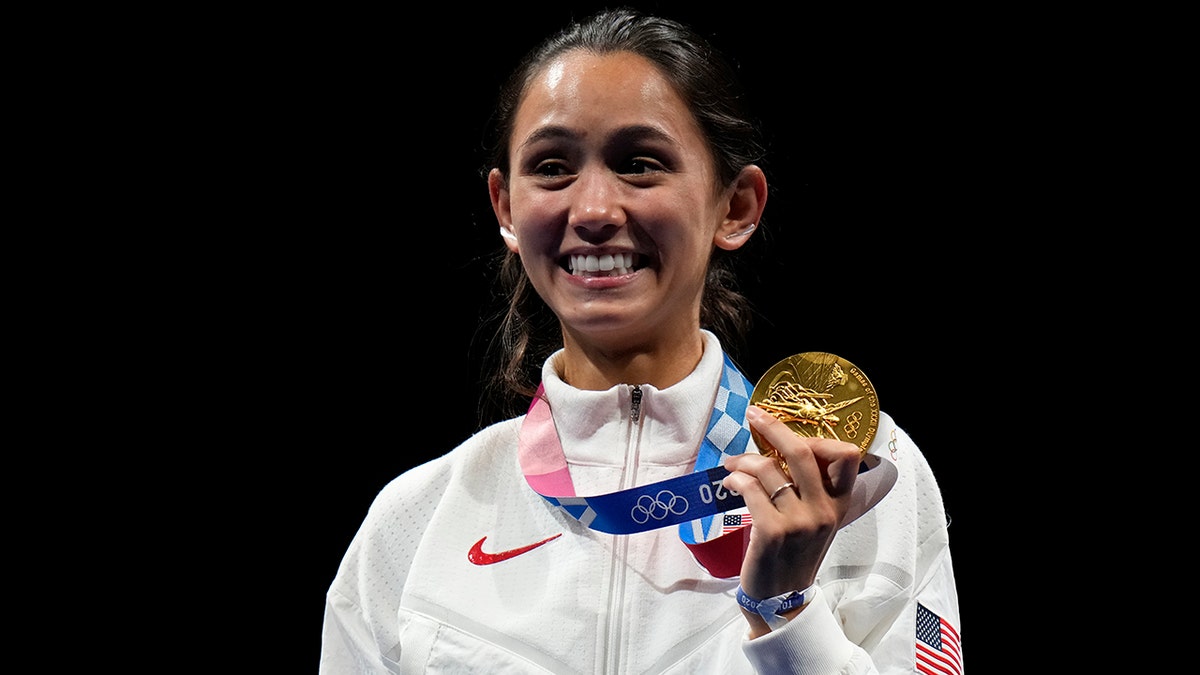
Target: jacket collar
pixel 595 427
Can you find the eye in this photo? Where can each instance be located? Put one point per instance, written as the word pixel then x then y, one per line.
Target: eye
pixel 551 168
pixel 641 165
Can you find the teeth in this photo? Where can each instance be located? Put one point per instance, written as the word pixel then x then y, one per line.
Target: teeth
pixel 621 263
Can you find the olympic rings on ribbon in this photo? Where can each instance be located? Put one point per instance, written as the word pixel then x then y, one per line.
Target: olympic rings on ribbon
pixel 658 506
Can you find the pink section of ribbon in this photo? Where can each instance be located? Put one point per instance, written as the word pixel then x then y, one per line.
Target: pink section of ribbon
pixel 540 453
pixel 555 484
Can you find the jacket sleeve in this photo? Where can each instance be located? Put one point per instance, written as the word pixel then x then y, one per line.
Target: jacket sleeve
pixel 347 642
pixel 360 633
pixel 813 642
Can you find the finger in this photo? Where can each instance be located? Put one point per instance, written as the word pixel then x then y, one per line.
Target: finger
pixel 754 477
pixel 786 443
pixel 754 464
pixel 825 464
pixel 772 432
pixel 840 462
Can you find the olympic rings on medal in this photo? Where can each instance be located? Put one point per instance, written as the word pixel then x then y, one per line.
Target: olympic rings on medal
pixel 781 488
pixel 658 507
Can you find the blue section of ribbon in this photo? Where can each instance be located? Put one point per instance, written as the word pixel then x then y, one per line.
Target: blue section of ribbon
pixel 648 507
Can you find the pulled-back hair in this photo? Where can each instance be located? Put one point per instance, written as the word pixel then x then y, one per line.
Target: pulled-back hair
pixel 529 332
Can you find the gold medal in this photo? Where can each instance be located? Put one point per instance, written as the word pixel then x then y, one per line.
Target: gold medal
pixel 817 394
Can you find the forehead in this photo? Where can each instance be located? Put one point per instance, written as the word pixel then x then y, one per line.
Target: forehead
pixel 589 92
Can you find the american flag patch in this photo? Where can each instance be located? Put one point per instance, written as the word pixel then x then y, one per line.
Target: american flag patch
pixel 938 650
pixel 735 521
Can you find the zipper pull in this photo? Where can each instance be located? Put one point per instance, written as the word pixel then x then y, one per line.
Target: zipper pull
pixel 635 410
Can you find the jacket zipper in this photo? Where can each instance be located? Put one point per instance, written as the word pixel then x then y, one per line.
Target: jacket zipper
pixel 616 604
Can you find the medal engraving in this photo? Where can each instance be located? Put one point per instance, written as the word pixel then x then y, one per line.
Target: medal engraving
pixel 817 394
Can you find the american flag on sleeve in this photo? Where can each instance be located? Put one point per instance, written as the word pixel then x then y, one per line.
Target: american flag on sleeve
pixel 938 651
pixel 734 521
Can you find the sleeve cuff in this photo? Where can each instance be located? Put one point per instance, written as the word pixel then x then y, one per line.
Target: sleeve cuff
pixel 813 641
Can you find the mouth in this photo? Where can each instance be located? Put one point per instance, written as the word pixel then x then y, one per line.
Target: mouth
pixel 607 265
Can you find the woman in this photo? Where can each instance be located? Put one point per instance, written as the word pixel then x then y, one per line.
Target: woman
pixel 624 176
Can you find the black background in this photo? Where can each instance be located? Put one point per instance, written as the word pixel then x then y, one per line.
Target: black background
pixel 353 229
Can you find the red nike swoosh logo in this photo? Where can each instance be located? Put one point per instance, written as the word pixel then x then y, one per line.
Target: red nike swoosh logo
pixel 477 556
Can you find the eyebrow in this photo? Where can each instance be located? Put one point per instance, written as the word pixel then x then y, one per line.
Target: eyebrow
pixel 643 132
pixel 624 135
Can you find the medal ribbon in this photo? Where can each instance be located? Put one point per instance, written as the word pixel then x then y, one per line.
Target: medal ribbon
pixel 690 501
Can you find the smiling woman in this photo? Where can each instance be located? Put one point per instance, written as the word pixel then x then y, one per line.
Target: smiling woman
pixel 607 161
pixel 625 518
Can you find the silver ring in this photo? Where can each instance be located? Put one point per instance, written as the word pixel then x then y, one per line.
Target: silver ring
pixel 781 488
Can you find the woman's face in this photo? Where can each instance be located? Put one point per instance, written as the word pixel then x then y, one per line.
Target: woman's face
pixel 611 200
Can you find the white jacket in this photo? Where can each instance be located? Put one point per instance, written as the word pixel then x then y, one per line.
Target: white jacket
pixel 407 599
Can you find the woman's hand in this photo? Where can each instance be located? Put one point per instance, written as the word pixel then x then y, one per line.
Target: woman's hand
pixel 793 531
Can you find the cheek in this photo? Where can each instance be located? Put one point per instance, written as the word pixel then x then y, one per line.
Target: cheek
pixel 532 211
pixel 538 230
pixel 693 224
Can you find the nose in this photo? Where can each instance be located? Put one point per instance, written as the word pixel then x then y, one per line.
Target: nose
pixel 596 203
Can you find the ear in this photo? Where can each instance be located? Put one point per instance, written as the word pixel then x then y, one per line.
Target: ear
pixel 747 199
pixel 501 205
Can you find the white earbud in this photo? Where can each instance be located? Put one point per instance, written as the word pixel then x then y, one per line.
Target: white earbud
pixel 504 232
pixel 744 232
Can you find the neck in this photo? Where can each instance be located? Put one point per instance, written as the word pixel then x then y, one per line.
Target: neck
pixel 661 364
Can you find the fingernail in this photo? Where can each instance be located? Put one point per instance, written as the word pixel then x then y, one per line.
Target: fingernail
pixel 754 413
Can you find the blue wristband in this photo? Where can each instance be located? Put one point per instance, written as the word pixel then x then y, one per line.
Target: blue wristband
pixel 771 608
